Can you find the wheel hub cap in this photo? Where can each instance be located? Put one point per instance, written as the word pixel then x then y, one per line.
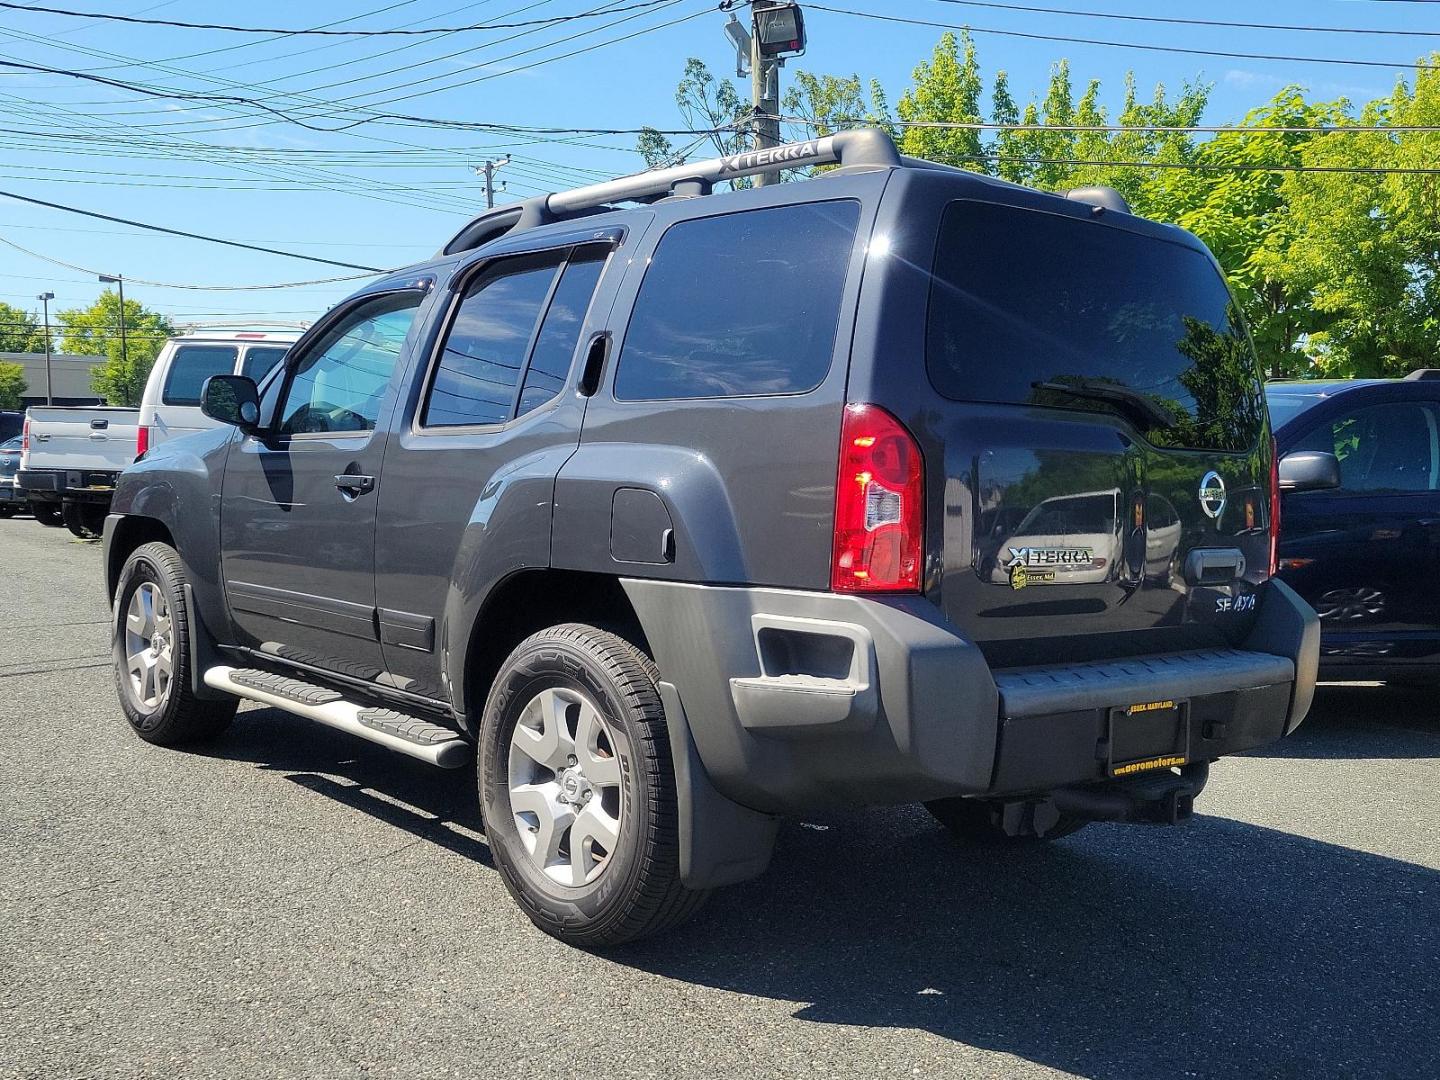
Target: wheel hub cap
pixel 565 786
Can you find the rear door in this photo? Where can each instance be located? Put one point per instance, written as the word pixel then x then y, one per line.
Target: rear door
pixel 470 474
pixel 1089 407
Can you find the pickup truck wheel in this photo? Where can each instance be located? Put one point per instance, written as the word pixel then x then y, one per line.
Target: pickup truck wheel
pixel 85 520
pixel 578 788
pixel 48 514
pixel 978 822
pixel 150 631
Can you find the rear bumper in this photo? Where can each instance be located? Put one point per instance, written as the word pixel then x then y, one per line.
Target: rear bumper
pixel 52 485
pixel 796 700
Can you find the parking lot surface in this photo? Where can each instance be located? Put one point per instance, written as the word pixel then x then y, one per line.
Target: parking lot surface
pixel 292 902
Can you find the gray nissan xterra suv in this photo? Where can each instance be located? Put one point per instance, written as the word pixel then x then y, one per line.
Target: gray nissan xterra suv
pixel 901 484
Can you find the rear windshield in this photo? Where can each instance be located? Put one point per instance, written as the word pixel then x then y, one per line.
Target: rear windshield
pixel 191 366
pixel 260 360
pixel 1034 308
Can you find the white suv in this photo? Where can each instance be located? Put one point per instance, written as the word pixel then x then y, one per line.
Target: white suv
pixel 171 405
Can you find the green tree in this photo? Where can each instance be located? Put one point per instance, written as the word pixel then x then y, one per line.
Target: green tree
pixel 12 385
pixel 825 104
pixel 95 331
pixel 20 331
pixel 708 104
pixel 946 90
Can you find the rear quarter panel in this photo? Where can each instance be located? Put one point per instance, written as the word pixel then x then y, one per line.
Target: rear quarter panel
pixel 748 482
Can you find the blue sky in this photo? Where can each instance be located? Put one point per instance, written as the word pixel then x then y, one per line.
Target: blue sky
pixel 387 194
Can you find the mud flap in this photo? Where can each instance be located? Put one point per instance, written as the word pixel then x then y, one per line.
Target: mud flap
pixel 721 842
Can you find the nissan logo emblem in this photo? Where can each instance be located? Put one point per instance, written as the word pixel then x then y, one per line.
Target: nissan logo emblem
pixel 1212 495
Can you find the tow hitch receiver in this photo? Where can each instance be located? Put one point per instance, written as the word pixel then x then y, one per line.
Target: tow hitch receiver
pixel 1165 798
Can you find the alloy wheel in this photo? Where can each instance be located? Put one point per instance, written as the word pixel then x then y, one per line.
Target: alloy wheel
pixel 564 778
pixel 149 646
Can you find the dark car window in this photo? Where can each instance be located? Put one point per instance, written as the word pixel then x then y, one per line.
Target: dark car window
pixel 339 384
pixel 260 360
pixel 740 305
pixel 1021 298
pixel 485 347
pixel 191 366
pixel 1394 447
pixel 560 332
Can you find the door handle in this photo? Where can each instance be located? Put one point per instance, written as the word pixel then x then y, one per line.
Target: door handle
pixel 352 485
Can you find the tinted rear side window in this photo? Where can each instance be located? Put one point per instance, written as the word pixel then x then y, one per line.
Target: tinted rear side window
pixel 1021 298
pixel 260 361
pixel 560 333
pixel 191 366
pixel 740 305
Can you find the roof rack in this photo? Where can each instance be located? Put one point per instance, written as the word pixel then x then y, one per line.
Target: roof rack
pixel 858 148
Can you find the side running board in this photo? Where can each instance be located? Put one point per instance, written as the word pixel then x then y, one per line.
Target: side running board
pixel 395 730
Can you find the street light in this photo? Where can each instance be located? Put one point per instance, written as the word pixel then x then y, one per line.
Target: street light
pixel 45 298
pixel 119 280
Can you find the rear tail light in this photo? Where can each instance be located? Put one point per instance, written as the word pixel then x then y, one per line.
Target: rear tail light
pixel 25 436
pixel 142 441
pixel 1274 507
pixel 879 516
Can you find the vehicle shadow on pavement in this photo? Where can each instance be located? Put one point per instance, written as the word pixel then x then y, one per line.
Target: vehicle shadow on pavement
pixel 1219 949
pixel 410 795
pixel 1358 722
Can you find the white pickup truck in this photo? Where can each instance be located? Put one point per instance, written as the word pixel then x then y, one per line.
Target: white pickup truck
pixel 69 460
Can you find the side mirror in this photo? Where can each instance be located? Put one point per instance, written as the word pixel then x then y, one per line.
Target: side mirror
pixel 1309 470
pixel 232 399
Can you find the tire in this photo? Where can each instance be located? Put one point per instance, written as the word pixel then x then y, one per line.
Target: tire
pixel 572 686
pixel 85 520
pixel 49 514
pixel 6 511
pixel 978 822
pixel 160 705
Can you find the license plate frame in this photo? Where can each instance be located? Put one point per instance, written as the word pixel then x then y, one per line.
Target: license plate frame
pixel 1148 736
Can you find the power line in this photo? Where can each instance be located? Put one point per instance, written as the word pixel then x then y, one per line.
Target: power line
pixel 174 285
pixel 1172 21
pixel 1031 36
pixel 189 235
pixel 1203 129
pixel 298 32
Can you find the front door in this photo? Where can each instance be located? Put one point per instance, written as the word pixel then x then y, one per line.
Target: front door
pixel 298 512
pixel 1365 555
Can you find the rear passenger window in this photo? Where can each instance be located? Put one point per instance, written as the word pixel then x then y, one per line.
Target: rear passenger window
pixel 560 333
pixel 483 376
pixel 740 305
pixel 191 366
pixel 260 361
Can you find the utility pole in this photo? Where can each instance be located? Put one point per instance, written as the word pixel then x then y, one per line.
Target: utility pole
pixel 119 279
pixel 488 171
pixel 45 298
pixel 777 30
pixel 765 97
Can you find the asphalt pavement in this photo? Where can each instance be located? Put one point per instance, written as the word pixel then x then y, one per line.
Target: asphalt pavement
pixel 293 902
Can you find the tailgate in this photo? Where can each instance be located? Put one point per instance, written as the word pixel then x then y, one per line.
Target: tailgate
pixel 82 439
pixel 1100 439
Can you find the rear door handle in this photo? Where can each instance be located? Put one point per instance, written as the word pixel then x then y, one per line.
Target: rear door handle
pixel 352 485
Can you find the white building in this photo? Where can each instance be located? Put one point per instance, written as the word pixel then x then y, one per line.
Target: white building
pixel 70 375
